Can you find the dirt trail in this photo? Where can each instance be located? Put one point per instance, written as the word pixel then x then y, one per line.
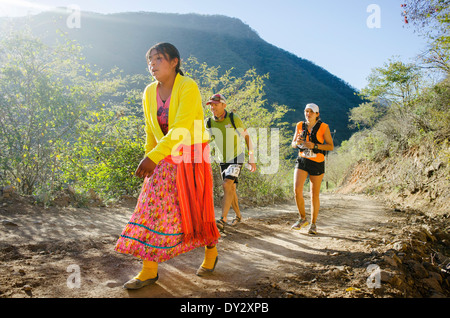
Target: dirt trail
pixel 261 257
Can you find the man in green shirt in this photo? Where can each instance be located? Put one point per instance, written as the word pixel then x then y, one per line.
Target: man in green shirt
pixel 226 130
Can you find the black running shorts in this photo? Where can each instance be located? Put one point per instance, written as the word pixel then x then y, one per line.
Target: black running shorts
pixel 312 167
pixel 232 169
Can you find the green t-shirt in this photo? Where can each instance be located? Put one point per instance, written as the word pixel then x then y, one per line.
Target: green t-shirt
pixel 227 140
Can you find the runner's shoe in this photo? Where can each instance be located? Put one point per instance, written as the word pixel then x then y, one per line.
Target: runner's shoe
pixel 312 229
pixel 235 221
pixel 299 224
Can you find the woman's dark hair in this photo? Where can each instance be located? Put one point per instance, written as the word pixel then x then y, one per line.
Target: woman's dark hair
pixel 169 51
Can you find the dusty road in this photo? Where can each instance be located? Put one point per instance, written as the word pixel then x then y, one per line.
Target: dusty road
pixel 43 251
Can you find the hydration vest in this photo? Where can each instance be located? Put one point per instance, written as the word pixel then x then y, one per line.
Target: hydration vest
pixel 312 136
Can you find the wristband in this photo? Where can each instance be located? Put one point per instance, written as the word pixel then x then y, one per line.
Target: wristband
pixel 316 147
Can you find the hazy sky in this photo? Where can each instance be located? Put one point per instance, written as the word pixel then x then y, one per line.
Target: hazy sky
pixel 346 37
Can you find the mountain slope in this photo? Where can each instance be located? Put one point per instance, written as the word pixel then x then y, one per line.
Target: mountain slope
pixel 122 40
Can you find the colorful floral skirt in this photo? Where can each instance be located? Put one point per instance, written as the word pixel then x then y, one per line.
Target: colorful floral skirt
pixel 154 232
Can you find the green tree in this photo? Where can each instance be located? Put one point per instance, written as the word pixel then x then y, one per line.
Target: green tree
pixel 365 115
pixel 397 83
pixel 244 94
pixel 44 91
pixel 106 153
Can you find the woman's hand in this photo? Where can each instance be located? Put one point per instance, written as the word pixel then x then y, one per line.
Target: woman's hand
pixel 145 168
pixel 308 144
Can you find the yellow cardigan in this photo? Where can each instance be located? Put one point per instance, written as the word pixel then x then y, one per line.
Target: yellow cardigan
pixel 185 119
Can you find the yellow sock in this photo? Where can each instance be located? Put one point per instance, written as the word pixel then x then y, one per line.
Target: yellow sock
pixel 149 270
pixel 210 257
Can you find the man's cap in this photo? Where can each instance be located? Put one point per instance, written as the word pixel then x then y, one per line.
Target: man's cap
pixel 312 106
pixel 216 98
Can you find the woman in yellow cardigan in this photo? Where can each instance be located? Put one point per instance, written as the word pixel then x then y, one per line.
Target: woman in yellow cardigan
pixel 175 211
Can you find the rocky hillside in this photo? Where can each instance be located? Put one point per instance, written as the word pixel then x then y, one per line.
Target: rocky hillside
pixel 415 185
pixel 415 180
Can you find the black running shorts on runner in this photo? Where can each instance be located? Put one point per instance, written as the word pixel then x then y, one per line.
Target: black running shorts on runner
pixel 232 169
pixel 312 167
